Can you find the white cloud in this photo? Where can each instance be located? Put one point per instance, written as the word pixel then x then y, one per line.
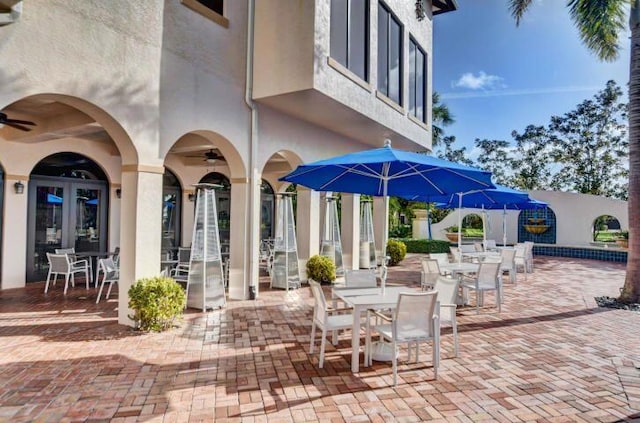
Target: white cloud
pixel 482 81
pixel 518 92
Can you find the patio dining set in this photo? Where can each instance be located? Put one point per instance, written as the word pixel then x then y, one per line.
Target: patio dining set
pixel 402 314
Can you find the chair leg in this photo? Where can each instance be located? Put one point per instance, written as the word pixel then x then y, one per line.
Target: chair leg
pixel 313 337
pixel 436 351
pixel 322 346
pixel 454 329
pixel 46 286
pixel 367 341
pixel 109 290
pixel 100 291
pixel 66 282
pixel 394 361
pixel 86 278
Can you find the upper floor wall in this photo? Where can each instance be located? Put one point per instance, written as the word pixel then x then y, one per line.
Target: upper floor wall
pixel 350 66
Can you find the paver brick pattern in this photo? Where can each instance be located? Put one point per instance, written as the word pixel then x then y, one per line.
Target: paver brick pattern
pixel 551 356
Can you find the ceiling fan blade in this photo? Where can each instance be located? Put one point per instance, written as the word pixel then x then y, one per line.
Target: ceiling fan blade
pixel 15 125
pixel 20 122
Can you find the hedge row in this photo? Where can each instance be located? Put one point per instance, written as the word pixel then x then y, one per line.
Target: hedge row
pixel 425 246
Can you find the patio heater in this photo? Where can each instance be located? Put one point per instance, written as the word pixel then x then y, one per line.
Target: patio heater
pixel 285 273
pixel 367 241
pixel 205 281
pixel 331 245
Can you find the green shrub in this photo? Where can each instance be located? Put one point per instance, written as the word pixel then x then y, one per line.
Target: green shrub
pixel 452 229
pixel 321 269
pixel 623 234
pixel 425 246
pixel 156 303
pixel 396 250
pixel 400 231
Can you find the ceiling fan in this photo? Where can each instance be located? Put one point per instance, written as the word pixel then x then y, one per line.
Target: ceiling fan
pixel 15 123
pixel 211 157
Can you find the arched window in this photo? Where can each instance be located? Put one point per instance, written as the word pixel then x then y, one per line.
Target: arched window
pixel 171 212
pixel 223 205
pixel 267 210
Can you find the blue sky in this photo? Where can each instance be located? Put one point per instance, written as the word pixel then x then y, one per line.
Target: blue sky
pixel 496 77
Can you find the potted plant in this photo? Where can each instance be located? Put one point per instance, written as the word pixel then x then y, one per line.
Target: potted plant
pixel 321 269
pixel 156 302
pixel 623 239
pixel 452 233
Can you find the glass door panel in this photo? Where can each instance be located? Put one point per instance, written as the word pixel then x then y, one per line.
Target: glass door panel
pixel 87 219
pixel 49 228
pixel 170 222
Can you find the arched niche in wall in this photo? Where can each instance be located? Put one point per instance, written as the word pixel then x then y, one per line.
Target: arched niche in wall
pixel 537 225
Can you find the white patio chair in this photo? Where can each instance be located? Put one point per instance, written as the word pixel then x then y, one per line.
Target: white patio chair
pixel 415 320
pixel 71 252
pixel 508 257
pixel 429 274
pixel 478 247
pixel 325 319
pixel 361 278
pixel 490 245
pixel 447 289
pixel 455 254
pixel 486 279
pixel 61 264
pixel 110 275
pixel 520 259
pixel 528 255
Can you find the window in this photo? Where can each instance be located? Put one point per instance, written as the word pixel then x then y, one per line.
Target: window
pixel 211 9
pixel 417 81
pixel 215 5
pixel 350 34
pixel 389 54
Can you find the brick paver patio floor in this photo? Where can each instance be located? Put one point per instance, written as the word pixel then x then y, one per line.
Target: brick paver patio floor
pixel 551 356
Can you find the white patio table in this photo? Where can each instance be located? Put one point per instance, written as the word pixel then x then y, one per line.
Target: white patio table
pixel 362 299
pixel 481 255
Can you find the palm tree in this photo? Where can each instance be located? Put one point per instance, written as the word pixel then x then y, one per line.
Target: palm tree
pixel 441 116
pixel 600 24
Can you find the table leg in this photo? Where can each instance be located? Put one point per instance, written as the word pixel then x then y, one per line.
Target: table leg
pixel 355 339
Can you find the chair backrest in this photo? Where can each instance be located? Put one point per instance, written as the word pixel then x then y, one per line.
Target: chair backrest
pixel 467 248
pixel 447 294
pixel 490 244
pixel 184 255
pixel 455 253
pixel 58 263
pixel 65 250
pixel 415 310
pixel 320 303
pixel 431 271
pixel 528 249
pixel 520 251
pixel 488 274
pixel 508 256
pixel 360 278
pixel 108 267
pixel 477 246
pixel 441 258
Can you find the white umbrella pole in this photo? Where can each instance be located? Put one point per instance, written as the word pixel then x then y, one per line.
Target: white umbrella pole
pixel 484 227
pixel 385 227
pixel 459 227
pixel 504 227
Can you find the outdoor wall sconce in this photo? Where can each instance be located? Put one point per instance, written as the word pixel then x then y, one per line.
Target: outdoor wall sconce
pixel 19 187
pixel 118 193
pixel 192 197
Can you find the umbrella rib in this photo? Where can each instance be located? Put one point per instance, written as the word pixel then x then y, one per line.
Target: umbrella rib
pixel 347 169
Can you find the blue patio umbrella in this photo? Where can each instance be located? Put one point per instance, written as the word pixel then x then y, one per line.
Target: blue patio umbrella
pixel 387 172
pixel 53 199
pixel 93 202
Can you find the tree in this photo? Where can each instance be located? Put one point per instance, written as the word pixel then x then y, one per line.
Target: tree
pixel 453 155
pixel 600 23
pixel 591 144
pixel 494 157
pixel 531 162
pixel 441 117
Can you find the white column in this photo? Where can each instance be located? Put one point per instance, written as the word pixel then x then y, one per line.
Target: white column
pixel 114 216
pixel 14 233
pixel 350 230
pixel 140 230
pixel 308 226
pixel 239 249
pixel 380 213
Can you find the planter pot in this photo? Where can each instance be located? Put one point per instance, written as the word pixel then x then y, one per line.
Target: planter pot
pixel 622 243
pixel 452 236
pixel 536 229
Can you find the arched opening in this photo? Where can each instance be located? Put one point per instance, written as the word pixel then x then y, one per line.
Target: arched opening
pixel 267 211
pixel 223 206
pixel 171 212
pixel 67 208
pixel 605 228
pixel 472 226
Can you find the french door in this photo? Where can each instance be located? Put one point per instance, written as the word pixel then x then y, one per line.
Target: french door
pixel 64 213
